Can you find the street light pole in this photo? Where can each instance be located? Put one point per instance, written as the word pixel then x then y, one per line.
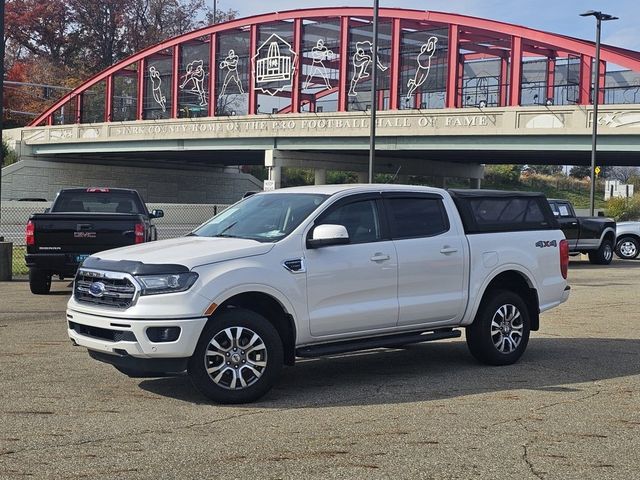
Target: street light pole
pixel 596 97
pixel 374 78
pixel 1 104
pixel 215 11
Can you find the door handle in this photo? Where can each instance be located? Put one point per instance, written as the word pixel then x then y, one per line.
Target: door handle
pixel 447 249
pixel 379 257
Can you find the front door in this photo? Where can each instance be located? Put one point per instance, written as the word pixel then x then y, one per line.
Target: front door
pixel 353 288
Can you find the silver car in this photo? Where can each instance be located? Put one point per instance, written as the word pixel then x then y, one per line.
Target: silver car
pixel 628 240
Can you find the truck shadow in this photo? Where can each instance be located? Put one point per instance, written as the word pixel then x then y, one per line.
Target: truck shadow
pixel 435 371
pixel 616 263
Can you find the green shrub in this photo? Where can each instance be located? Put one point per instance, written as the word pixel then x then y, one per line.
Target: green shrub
pixel 8 155
pixel 623 209
pixel 502 174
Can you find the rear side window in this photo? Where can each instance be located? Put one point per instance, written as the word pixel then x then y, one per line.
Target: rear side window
pixel 416 217
pixel 506 211
pixel 503 211
pixel 561 209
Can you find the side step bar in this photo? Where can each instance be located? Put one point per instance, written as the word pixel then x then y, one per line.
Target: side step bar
pixel 375 342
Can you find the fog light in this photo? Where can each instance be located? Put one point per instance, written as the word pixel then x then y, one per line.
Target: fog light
pixel 163 334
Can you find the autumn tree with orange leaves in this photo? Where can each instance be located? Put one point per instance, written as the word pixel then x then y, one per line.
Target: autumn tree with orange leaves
pixel 61 43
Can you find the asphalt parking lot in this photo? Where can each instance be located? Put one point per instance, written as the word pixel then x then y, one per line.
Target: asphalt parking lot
pixel 569 409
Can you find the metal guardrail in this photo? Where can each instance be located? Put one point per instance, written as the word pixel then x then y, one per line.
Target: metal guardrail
pixel 178 220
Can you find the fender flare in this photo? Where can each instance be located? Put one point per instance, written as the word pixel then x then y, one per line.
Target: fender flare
pixel 471 312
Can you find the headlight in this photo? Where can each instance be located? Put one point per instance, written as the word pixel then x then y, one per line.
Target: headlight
pixel 168 283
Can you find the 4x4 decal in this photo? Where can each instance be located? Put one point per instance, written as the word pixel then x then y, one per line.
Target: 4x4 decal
pixel 546 243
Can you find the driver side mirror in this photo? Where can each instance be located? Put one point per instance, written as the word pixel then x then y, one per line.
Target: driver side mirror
pixel 157 214
pixel 326 235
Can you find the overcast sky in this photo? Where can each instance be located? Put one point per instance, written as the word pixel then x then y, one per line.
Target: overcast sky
pixel 558 16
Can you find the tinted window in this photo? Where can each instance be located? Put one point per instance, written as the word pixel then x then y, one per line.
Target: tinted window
pixel 506 211
pixel 359 218
pixel 416 217
pixel 97 202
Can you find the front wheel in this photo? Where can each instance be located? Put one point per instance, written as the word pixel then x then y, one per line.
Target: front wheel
pixel 500 332
pixel 603 255
pixel 627 248
pixel 39 281
pixel 238 358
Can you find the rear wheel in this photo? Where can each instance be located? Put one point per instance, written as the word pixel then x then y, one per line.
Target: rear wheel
pixel 500 332
pixel 627 248
pixel 39 281
pixel 238 358
pixel 603 255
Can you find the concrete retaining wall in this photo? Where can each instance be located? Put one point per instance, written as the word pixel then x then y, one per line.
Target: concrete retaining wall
pixel 31 178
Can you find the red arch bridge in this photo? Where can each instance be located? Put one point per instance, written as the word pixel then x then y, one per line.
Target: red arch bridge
pixel 293 89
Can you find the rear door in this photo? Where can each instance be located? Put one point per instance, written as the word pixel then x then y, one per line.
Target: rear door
pixel 568 221
pixel 431 256
pixel 353 288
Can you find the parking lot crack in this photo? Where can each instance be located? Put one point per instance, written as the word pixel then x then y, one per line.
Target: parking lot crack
pixel 527 460
pixel 144 432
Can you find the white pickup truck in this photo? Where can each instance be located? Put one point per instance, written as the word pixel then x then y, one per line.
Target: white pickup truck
pixel 312 271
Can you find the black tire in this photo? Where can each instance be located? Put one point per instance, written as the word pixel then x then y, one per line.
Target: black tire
pixel 603 255
pixel 39 281
pixel 512 317
pixel 628 248
pixel 238 357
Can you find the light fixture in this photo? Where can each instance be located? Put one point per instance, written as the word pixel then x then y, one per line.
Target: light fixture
pixel 549 102
pixel 482 104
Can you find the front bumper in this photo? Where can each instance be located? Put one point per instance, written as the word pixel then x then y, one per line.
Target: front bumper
pixel 128 337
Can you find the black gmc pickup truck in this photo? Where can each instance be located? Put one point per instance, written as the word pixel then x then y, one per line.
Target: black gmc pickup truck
pixel 83 221
pixel 594 236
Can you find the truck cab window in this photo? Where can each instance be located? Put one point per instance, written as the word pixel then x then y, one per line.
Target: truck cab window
pixel 359 218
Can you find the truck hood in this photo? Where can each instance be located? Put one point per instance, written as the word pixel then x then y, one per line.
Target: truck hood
pixel 188 251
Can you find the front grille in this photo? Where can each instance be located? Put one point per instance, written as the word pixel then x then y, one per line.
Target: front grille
pixel 102 333
pixel 118 292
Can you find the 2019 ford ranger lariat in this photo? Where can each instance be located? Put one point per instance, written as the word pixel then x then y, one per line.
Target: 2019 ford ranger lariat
pixel 311 271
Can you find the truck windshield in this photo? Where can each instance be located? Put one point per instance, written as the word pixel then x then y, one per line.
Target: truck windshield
pixel 265 218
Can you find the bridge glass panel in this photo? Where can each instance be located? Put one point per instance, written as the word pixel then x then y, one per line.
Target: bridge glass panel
pixel 534 81
pixel 481 83
pixel 232 75
pixel 158 76
pixel 621 86
pixel 320 66
pixel 93 103
pixel 362 61
pixel 566 90
pixel 275 62
pixel 125 94
pixel 424 51
pixel 193 82
pixel 65 115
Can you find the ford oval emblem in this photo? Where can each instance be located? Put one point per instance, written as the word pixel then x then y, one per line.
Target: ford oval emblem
pixel 97 289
